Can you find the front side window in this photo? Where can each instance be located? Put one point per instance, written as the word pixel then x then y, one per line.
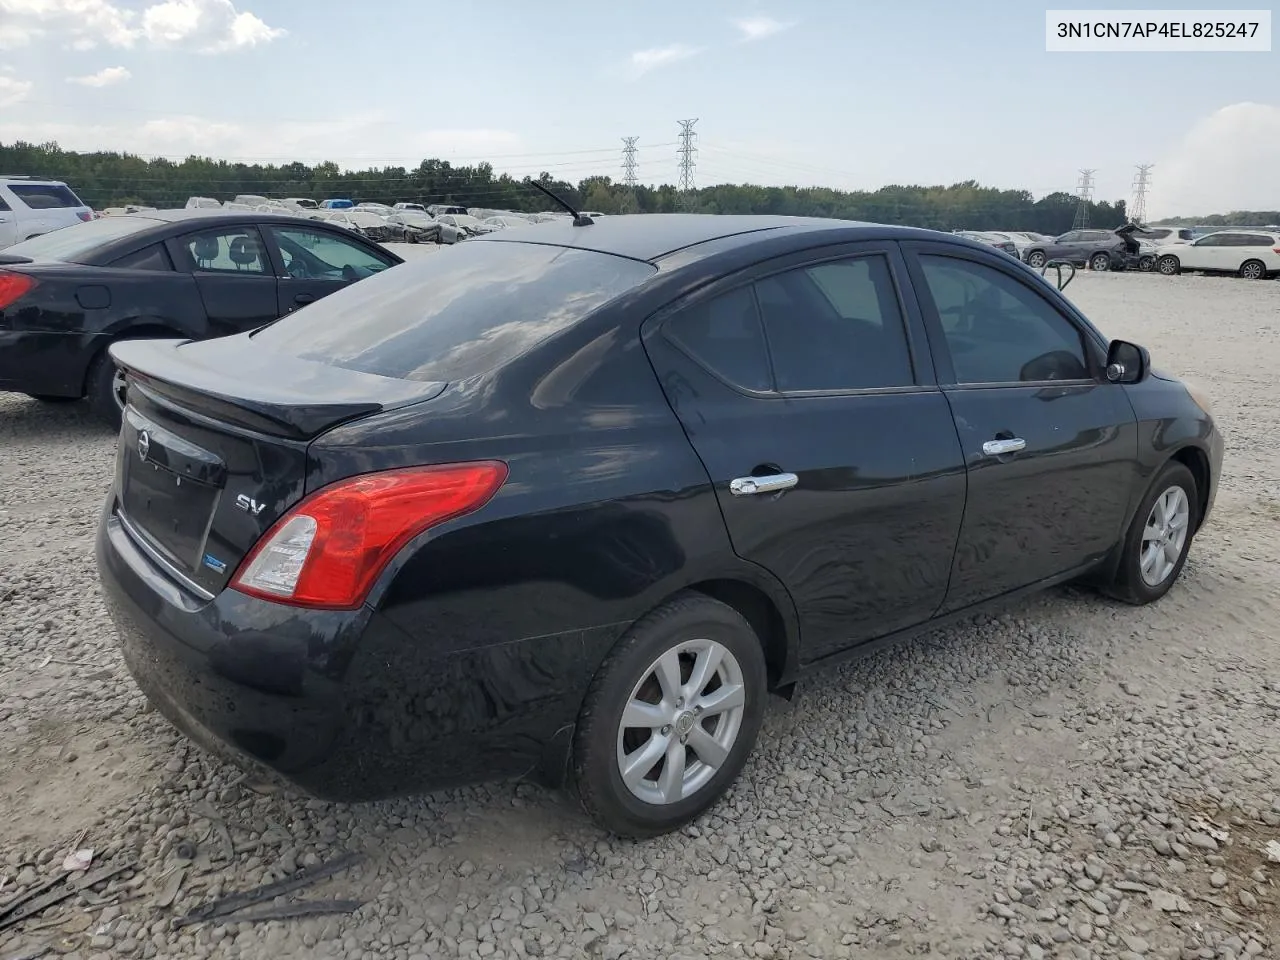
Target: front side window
pixel 237 250
pixel 318 255
pixel 997 330
pixel 835 326
pixel 1213 240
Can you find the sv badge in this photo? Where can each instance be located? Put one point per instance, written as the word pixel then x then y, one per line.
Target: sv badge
pixel 249 505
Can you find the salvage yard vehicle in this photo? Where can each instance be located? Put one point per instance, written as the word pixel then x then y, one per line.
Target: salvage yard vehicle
pixel 1251 254
pixel 67 296
pixel 31 206
pixel 570 502
pixel 1096 249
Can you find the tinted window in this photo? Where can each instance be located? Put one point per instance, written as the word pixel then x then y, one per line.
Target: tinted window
pixel 1097 236
pixel 835 326
pixel 154 257
pixel 1213 240
pixel 724 335
pixel 456 314
pixel 1258 240
pixel 45 196
pixel 317 255
pixel 1185 235
pixel 1071 237
pixel 82 239
pixel 998 330
pixel 226 250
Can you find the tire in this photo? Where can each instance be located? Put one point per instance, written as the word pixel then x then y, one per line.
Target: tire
pixel 1147 264
pixel 1036 259
pixel 680 633
pixel 1173 486
pixel 1100 262
pixel 1253 270
pixel 102 391
pixel 1169 266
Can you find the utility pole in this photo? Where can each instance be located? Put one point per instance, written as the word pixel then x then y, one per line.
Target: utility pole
pixel 1141 183
pixel 1084 190
pixel 687 154
pixel 629 161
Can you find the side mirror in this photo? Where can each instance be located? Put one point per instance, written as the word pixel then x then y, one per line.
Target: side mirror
pixel 1127 362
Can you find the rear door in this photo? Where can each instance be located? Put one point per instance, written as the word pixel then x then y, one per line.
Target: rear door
pixel 313 263
pixel 234 274
pixel 1050 444
pixel 1207 253
pixel 805 387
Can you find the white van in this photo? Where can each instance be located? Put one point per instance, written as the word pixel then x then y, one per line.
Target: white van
pixel 30 206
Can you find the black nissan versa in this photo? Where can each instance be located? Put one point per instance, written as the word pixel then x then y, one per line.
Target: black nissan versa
pixel 568 503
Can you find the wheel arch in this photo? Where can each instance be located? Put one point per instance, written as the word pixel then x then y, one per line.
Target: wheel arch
pixel 127 330
pixel 1197 461
pixel 766 618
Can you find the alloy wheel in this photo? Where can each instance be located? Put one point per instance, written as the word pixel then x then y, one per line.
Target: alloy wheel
pixel 1036 259
pixel 681 721
pixel 119 387
pixel 1165 535
pixel 1168 266
pixel 1100 262
pixel 1252 270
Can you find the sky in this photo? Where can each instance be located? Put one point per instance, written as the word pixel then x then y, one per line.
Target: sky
pixel 854 94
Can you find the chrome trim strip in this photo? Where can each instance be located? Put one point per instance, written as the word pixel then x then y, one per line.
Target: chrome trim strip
pixel 141 542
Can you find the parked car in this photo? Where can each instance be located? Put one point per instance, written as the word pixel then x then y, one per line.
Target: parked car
pixel 506 222
pixel 469 225
pixel 30 206
pixel 438 210
pixel 1165 235
pixel 999 241
pixel 336 204
pixel 1250 254
pixel 67 296
pixel 203 203
pixel 569 502
pixel 422 228
pixel 1097 249
pixel 381 209
pixel 300 203
pixel 415 207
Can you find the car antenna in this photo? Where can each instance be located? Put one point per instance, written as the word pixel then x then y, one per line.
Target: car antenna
pixel 579 220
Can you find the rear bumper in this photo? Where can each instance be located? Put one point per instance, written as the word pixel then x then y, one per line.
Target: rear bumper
pixel 343 705
pixel 47 363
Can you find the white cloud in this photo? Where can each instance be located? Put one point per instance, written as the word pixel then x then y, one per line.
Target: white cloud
pixel 1227 161
pixel 757 28
pixel 642 61
pixel 103 78
pixel 210 26
pixel 13 91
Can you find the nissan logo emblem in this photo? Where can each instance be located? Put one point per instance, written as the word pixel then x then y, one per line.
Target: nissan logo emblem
pixel 144 444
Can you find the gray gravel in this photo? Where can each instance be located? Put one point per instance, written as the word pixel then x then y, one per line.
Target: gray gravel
pixel 1072 778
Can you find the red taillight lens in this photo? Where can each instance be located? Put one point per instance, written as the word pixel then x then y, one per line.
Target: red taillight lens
pixel 13 287
pixel 1275 249
pixel 327 551
pixel 85 216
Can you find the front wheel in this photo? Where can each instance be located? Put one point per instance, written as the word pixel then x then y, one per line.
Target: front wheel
pixel 1169 266
pixel 1156 546
pixel 1253 270
pixel 670 717
pixel 1100 262
pixel 1147 264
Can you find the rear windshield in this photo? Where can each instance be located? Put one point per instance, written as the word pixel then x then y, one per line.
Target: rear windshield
pixel 77 241
pixel 45 196
pixel 456 314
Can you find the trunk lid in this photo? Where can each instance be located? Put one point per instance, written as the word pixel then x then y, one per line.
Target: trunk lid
pixel 213 444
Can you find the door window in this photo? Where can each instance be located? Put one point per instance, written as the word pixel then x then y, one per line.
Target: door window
pixel 1072 237
pixel 1257 240
pixel 998 330
pixel 319 255
pixel 1213 240
pixel 235 250
pixel 724 335
pixel 835 326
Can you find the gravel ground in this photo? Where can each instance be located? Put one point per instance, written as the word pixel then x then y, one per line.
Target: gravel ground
pixel 1072 778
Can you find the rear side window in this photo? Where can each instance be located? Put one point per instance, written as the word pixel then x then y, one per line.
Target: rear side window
pixel 45 196
pixel 81 240
pixel 725 336
pixel 1257 240
pixel 457 314
pixel 154 257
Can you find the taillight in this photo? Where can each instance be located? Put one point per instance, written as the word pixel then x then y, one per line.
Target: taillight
pixel 85 216
pixel 14 286
pixel 1275 249
pixel 327 551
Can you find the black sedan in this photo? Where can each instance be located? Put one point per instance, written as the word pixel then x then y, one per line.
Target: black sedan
pixel 66 296
pixel 569 502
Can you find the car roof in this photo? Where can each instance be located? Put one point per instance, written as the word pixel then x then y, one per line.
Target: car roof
pixel 218 214
pixel 652 236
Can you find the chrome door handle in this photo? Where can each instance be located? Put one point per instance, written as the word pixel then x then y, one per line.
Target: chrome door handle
pixel 998 448
pixel 775 483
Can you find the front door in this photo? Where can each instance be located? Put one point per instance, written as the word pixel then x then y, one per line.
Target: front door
pixel 805 388
pixel 1051 446
pixel 234 275
pixel 314 263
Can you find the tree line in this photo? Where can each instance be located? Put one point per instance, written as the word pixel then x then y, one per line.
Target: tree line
pixel 108 179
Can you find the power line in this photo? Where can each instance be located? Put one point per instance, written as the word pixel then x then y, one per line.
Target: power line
pixel 687 153
pixel 629 161
pixel 1084 190
pixel 1141 182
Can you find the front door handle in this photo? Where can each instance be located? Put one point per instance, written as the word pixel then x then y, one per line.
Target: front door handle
pixel 774 483
pixel 999 448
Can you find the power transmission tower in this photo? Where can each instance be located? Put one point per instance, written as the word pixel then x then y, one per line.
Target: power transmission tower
pixel 629 161
pixel 1141 183
pixel 687 154
pixel 1084 190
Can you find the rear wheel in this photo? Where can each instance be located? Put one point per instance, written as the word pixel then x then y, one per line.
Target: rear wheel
pixel 1036 259
pixel 1147 263
pixel 670 717
pixel 1156 546
pixel 1253 270
pixel 105 391
pixel 1169 266
pixel 1100 262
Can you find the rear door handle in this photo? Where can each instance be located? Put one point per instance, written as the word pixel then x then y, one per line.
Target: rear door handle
pixel 774 483
pixel 999 448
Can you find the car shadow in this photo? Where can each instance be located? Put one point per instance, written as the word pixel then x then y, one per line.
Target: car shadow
pixel 22 418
